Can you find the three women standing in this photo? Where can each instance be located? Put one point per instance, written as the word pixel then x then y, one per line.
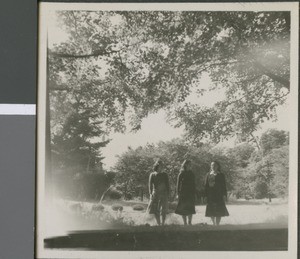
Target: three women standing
pixel 216 193
pixel 215 190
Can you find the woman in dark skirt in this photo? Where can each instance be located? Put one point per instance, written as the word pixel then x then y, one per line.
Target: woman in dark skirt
pixel 216 193
pixel 186 192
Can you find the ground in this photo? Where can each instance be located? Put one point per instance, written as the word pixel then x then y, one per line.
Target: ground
pixel 252 225
pixel 174 238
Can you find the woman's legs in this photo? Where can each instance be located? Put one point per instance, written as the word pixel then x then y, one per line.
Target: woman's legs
pixel 190 219
pixel 157 217
pixel 154 207
pixel 213 219
pixel 184 219
pixel 164 208
pixel 163 218
pixel 218 219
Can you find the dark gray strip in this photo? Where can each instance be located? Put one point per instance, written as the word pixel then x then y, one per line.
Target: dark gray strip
pixel 18 48
pixel 17 186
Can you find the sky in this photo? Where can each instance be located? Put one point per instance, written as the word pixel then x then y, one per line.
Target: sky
pixel 155 128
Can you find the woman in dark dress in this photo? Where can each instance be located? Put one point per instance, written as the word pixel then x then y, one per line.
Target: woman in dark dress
pixel 216 193
pixel 186 192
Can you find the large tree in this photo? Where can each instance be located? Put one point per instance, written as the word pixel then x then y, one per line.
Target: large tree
pixel 140 62
pixel 74 148
pixel 267 170
pixel 272 139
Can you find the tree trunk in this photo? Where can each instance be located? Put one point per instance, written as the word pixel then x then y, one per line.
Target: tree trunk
pixel 255 141
pixel 103 195
pixel 88 165
pixel 126 190
pixel 48 172
pixel 283 81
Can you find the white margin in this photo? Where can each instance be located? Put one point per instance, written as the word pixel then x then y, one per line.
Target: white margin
pixel 17 109
pixel 45 8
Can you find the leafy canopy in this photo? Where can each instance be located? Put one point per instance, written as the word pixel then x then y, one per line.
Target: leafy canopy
pixel 139 62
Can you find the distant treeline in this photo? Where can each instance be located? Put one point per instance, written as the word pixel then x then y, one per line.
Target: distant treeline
pixel 251 172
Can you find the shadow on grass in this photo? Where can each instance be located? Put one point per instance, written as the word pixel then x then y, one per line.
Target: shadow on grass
pixel 250 237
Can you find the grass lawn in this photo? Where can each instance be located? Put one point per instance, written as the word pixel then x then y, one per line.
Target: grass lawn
pixel 70 216
pixel 251 226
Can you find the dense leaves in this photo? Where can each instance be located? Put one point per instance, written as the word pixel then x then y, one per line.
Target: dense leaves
pixel 267 172
pixel 135 165
pixel 73 146
pixel 249 172
pixel 116 68
pixel 139 62
pixel 273 139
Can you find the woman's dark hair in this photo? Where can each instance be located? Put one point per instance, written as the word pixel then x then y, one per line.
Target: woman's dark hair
pixel 157 164
pixel 218 165
pixel 185 164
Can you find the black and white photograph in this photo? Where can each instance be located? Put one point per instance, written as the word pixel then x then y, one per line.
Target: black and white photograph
pixel 167 130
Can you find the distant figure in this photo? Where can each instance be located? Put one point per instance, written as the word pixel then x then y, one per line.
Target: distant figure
pixel 216 193
pixel 159 191
pixel 186 192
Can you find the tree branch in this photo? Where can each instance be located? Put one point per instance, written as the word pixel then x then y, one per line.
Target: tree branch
pixel 255 141
pixel 94 54
pixel 65 87
pixel 102 52
pixel 285 82
pixel 75 22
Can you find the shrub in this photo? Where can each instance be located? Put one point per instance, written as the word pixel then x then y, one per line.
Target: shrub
pixel 248 197
pixel 128 196
pixel 232 198
pixel 138 207
pixel 116 207
pixel 76 207
pixel 115 194
pixel 172 206
pixel 81 186
pixel 98 207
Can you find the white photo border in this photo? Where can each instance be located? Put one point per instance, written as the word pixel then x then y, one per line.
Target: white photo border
pixel 45 8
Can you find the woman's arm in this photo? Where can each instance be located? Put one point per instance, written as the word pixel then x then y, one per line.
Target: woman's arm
pixel 150 184
pixel 167 184
pixel 206 186
pixel 224 188
pixel 178 189
pixel 193 184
